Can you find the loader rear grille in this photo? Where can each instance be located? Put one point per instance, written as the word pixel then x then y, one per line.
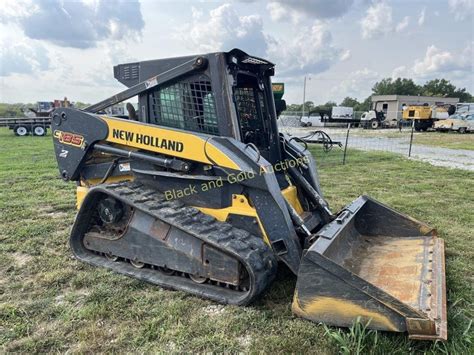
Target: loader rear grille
pixel 187 105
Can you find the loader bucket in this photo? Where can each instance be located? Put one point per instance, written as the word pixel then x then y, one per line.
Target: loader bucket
pixel 377 264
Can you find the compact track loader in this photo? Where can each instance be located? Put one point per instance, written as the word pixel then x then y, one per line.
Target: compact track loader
pixel 198 191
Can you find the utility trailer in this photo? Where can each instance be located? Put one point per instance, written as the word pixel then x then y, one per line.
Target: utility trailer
pixel 24 126
pixel 337 116
pixel 37 120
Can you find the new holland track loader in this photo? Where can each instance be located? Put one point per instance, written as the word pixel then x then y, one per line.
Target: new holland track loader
pixel 198 191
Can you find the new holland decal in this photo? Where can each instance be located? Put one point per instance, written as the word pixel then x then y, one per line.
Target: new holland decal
pixel 146 139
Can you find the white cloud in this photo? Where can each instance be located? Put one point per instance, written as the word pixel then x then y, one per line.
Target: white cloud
pixel 224 29
pixel 400 72
pixel 277 11
pixel 345 55
pixel 320 9
pixel 437 61
pixel 283 12
pixel 462 9
pixel 421 19
pixel 402 24
pixel 196 13
pixel 17 9
pixel 311 51
pixel 440 63
pixel 377 20
pixel 74 23
pixel 25 57
pixel 357 84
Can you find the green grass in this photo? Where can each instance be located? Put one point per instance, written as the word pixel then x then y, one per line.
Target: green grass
pixel 453 140
pixel 49 302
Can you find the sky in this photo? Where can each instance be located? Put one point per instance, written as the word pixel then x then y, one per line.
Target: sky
pixel 55 48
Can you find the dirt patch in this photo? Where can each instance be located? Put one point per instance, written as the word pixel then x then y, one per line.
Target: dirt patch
pixel 51 212
pixel 21 259
pixel 214 310
pixel 75 297
pixel 56 215
pixel 44 329
pixel 245 341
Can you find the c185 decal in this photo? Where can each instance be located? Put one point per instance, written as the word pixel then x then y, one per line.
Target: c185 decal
pixel 69 138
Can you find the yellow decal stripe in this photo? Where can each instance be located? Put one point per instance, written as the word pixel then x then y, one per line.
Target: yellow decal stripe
pixel 165 141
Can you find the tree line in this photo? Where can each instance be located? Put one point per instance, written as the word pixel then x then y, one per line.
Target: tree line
pixel 19 109
pixel 389 86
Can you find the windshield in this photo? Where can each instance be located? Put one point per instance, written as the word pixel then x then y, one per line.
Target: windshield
pixel 252 111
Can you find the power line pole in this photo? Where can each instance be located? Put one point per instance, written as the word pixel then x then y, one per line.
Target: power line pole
pixel 304 95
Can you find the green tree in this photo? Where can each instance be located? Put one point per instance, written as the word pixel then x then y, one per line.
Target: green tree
pixel 444 88
pixel 80 105
pixel 12 110
pixel 399 86
pixel 327 106
pixel 364 105
pixel 293 107
pixel 308 106
pixel 349 102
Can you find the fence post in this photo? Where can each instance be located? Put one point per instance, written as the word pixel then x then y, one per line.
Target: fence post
pixel 411 137
pixel 345 145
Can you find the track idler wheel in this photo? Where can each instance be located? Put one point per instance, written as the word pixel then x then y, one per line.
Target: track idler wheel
pixel 110 210
pixel 198 279
pixel 111 257
pixel 137 264
pixel 166 271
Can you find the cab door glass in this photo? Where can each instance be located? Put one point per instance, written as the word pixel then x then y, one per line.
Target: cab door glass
pixel 252 112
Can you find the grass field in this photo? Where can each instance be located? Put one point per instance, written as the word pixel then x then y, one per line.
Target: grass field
pixel 453 140
pixel 49 302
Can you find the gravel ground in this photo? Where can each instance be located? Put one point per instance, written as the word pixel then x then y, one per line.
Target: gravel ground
pixel 378 141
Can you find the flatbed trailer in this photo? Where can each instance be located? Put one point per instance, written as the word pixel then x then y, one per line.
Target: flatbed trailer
pixel 24 126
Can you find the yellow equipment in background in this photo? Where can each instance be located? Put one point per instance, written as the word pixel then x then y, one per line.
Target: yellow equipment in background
pixel 425 115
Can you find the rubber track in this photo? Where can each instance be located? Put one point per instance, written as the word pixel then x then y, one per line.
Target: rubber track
pixel 251 251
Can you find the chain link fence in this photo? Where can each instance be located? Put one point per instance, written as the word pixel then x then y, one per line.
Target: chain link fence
pixel 333 143
pixel 337 141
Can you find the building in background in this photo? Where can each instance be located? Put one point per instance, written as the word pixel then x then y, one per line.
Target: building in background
pixel 392 105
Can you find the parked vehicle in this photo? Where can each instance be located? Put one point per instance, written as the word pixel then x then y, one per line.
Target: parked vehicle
pixel 464 108
pixel 24 126
pixel 37 120
pixel 373 119
pixel 313 120
pixel 425 116
pixel 337 115
pixel 342 113
pixel 457 122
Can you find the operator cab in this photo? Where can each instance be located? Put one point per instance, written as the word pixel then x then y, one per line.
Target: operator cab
pixel 231 97
pixel 254 102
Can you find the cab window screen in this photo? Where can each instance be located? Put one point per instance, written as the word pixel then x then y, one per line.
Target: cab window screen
pixel 187 105
pixel 251 110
